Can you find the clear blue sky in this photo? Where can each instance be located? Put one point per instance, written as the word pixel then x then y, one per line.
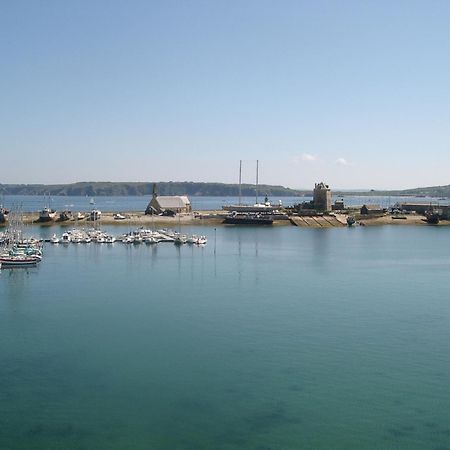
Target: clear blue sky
pixel 354 93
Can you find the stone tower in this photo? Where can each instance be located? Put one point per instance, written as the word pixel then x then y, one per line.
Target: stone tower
pixel 322 197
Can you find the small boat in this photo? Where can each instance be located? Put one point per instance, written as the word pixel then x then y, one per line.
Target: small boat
pixel 18 260
pixel 65 238
pixel 192 239
pixel 92 201
pixel 180 239
pixel 127 239
pixel 119 216
pixel 3 214
pixel 54 239
pixel 150 240
pixel 350 221
pixel 81 216
pixel 110 239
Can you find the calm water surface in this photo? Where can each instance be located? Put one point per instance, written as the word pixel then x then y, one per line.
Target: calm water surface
pixel 284 338
pixel 34 203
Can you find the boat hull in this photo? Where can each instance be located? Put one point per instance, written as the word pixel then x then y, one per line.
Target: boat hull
pixel 18 262
pixel 236 220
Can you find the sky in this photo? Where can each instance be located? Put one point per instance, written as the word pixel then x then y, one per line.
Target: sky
pixel 352 93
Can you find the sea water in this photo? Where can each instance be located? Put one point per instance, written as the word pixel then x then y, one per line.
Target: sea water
pixel 35 203
pixel 267 338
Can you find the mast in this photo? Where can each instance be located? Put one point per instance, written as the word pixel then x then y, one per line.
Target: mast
pixel 240 180
pixel 256 188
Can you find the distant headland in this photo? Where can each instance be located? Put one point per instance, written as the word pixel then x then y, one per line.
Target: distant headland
pixel 191 188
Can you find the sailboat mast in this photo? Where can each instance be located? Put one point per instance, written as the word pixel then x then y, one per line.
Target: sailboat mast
pixel 240 180
pixel 256 189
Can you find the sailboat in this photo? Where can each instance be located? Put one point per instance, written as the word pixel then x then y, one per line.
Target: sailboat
pixel 258 214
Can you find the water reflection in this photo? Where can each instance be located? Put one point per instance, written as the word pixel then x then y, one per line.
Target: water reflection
pixel 15 284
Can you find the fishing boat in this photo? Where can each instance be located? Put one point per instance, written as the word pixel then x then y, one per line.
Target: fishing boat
pixel 65 215
pixel 47 214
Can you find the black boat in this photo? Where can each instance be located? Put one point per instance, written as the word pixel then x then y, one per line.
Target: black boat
pixel 350 221
pixel 236 218
pixel 432 217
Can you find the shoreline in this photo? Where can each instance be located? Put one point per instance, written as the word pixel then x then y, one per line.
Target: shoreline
pixel 215 218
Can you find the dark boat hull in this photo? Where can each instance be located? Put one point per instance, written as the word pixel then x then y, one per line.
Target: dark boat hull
pixel 248 221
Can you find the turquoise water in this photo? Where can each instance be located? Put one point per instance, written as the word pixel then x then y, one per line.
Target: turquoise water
pixel 284 338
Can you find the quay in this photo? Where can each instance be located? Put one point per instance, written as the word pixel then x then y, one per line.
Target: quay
pixel 215 218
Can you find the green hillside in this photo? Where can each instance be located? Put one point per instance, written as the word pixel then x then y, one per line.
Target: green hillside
pixel 134 188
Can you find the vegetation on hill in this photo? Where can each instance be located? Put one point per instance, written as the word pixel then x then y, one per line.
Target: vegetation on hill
pixel 135 188
pixel 100 188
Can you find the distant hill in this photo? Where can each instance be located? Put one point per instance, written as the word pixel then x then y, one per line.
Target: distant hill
pixel 100 188
pixel 433 191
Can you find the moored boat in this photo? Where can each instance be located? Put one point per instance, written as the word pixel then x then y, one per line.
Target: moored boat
pixel 237 218
pixel 18 260
pixel 47 214
pixel 95 214
pixel 3 214
pixel 65 215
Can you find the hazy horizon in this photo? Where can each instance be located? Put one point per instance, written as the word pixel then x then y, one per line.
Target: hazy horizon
pixel 349 93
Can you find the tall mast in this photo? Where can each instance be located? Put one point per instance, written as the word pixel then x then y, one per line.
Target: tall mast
pixel 240 180
pixel 256 189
